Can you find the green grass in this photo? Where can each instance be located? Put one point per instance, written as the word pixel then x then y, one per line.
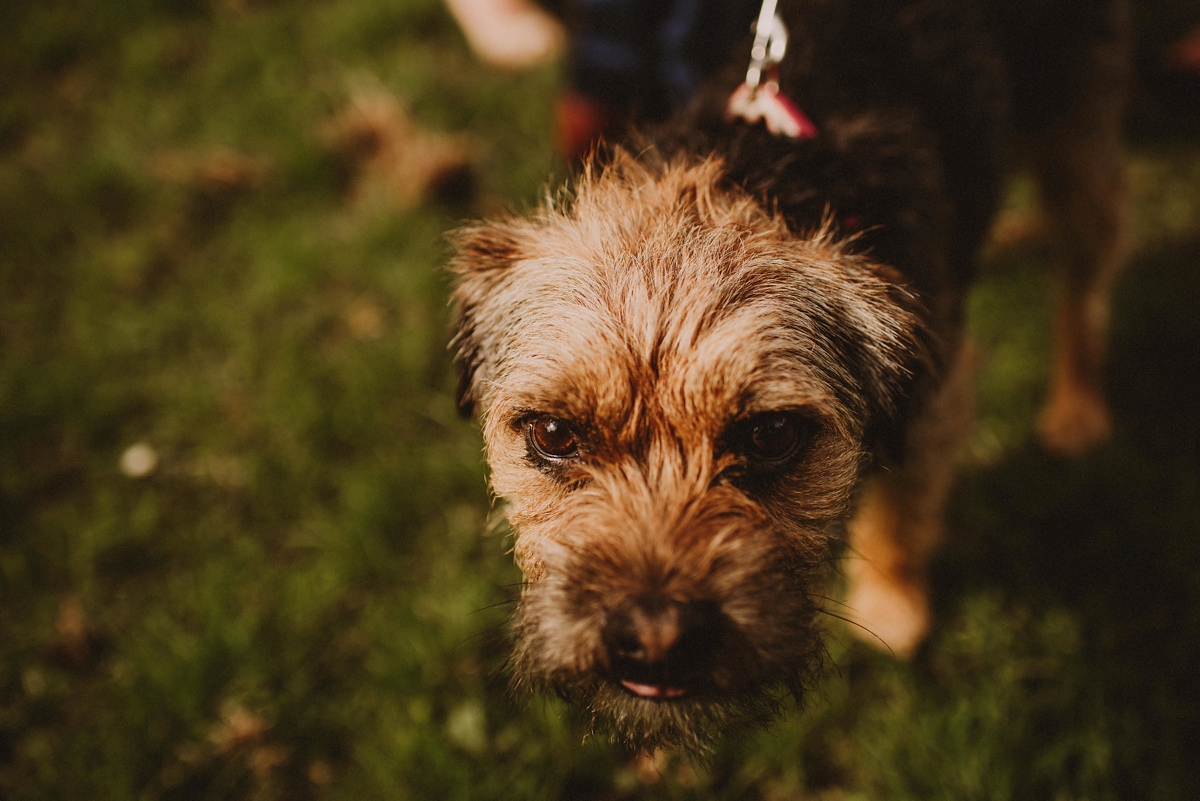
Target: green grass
pixel 303 599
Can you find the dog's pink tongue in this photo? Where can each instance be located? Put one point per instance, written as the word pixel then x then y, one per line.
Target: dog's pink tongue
pixel 653 690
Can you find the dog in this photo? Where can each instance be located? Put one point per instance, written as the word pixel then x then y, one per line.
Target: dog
pixel 724 347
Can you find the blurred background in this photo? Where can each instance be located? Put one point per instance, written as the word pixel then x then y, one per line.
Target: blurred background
pixel 245 549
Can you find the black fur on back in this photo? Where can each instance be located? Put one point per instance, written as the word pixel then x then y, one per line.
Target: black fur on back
pixel 916 102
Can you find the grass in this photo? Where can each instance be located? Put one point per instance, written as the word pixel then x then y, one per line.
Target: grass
pixel 302 598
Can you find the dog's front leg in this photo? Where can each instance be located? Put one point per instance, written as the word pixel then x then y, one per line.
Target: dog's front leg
pixel 897 521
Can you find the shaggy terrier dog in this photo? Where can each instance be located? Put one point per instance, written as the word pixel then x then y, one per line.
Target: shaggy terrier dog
pixel 728 338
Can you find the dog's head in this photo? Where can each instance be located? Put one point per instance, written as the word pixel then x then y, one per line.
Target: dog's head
pixel 678 395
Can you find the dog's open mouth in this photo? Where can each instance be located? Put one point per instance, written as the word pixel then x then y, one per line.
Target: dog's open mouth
pixel 655 691
pixel 661 681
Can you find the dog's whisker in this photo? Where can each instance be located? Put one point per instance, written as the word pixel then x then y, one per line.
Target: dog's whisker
pixel 830 600
pixel 509 602
pixel 503 625
pixel 860 626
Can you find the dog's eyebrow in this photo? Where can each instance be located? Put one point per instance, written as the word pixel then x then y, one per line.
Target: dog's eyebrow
pixel 583 410
pixel 783 402
pixel 528 407
pixel 785 394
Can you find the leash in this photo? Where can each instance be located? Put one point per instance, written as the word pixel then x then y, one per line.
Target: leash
pixel 759 99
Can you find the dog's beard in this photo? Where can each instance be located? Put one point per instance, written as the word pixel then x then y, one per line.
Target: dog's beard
pixel 765 661
pixel 692 724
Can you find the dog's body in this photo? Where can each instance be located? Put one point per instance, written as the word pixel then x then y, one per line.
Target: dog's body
pixel 692 367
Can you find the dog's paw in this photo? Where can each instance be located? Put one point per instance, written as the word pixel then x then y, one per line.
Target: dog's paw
pixel 1075 420
pixel 887 612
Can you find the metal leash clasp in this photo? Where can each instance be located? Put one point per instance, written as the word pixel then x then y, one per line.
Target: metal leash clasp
pixel 770 44
pixel 758 99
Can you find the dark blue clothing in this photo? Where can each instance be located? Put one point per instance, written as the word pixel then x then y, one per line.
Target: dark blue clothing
pixel 648 57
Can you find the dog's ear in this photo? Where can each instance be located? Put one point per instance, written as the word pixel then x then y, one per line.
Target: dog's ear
pixel 482 256
pixel 910 371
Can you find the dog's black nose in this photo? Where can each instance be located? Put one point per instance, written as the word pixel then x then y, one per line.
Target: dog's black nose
pixel 662 648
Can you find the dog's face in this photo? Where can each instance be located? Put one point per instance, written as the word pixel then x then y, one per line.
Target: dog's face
pixel 677 395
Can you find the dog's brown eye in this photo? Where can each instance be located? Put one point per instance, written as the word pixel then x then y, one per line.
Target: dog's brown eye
pixel 553 438
pixel 773 437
